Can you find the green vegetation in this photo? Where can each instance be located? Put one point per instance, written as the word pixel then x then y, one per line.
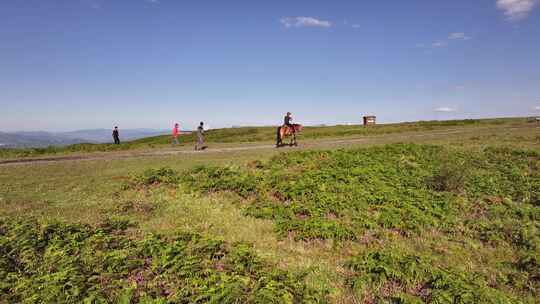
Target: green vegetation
pixel 59 263
pixel 427 217
pixel 491 197
pixel 256 134
pixel 155 176
pixel 339 194
pixel 408 278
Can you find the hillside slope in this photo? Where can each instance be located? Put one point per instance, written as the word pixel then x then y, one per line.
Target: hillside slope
pixel 261 134
pixel 429 217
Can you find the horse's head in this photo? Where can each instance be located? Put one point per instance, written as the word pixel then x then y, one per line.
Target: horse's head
pixel 297 127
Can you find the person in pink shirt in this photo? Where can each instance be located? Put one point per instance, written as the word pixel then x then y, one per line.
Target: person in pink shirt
pixel 175 133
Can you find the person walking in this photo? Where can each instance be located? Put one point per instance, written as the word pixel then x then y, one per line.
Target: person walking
pixel 175 133
pixel 200 137
pixel 116 136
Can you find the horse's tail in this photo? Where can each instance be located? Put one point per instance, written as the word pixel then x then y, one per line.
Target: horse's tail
pixel 278 136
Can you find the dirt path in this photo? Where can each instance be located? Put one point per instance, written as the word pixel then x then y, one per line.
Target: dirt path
pixel 307 144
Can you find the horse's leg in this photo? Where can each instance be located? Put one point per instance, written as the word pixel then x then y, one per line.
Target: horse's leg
pixel 282 135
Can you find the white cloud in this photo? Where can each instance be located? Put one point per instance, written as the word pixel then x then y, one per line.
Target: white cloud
pixel 458 36
pixel 356 26
pixel 438 44
pixel 516 9
pixel 444 42
pixel 445 109
pixel 537 108
pixel 304 22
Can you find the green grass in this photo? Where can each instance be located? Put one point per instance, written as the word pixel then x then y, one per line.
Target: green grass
pixel 344 195
pixel 389 274
pixel 80 264
pixel 257 134
pixel 446 218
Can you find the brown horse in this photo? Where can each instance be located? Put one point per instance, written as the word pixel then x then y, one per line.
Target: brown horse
pixel 285 131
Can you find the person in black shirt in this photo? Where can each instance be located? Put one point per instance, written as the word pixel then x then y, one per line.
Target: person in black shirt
pixel 116 136
pixel 287 120
pixel 200 137
pixel 288 128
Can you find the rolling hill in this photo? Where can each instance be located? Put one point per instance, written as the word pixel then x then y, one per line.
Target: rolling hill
pixel 40 139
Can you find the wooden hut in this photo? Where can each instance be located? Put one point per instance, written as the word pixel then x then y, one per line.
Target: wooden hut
pixel 370 120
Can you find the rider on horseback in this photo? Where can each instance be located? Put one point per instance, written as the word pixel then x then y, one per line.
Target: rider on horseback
pixel 287 129
pixel 287 121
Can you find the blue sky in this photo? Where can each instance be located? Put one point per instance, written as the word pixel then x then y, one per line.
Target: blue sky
pixel 74 64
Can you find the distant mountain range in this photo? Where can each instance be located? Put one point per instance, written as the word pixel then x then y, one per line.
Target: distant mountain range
pixel 43 139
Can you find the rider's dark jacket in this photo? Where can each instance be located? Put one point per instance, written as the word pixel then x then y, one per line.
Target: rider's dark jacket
pixel 287 121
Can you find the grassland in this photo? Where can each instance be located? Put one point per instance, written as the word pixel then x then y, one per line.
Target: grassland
pixel 429 215
pixel 225 137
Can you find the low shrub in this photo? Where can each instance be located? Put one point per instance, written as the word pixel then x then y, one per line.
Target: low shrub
pixel 337 194
pixel 398 277
pixel 452 173
pixel 211 179
pixel 467 199
pixel 67 263
pixel 150 177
